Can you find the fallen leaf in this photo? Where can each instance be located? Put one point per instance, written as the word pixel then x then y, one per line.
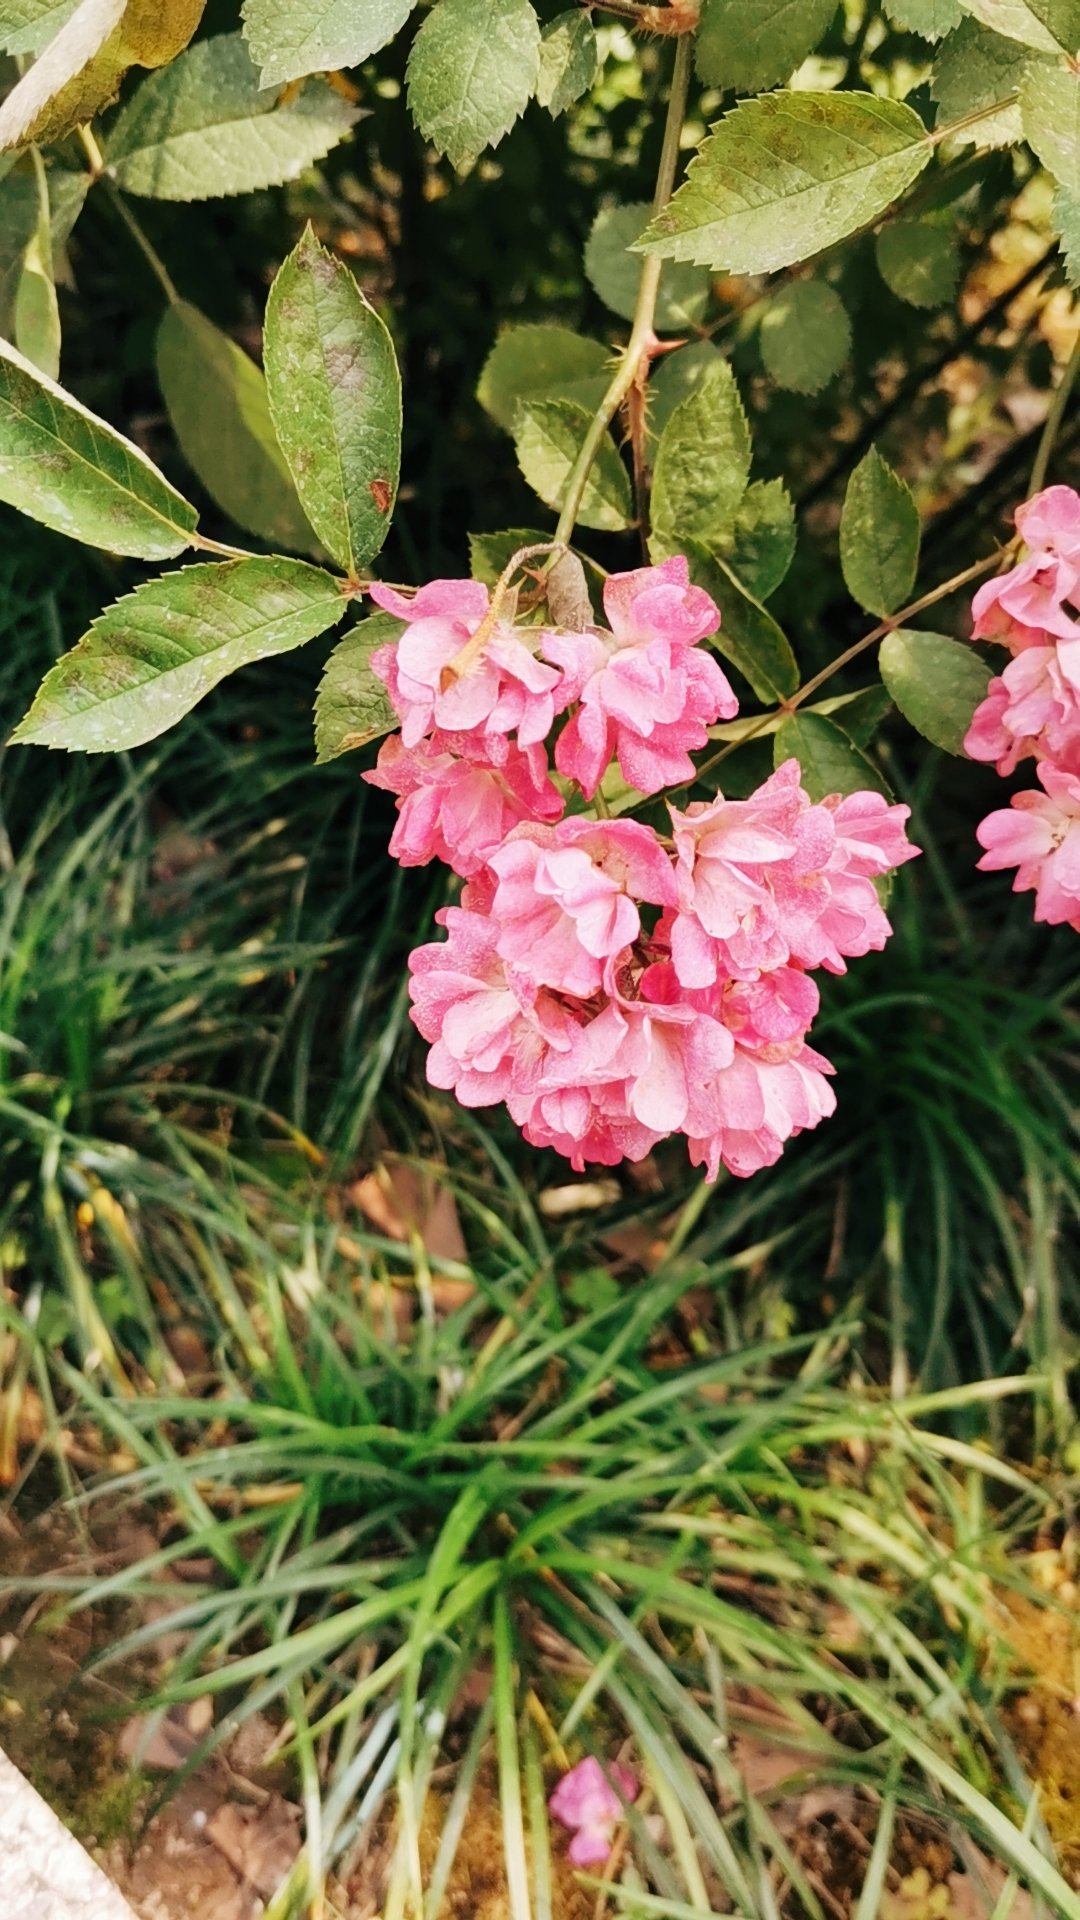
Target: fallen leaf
pixel 261 1846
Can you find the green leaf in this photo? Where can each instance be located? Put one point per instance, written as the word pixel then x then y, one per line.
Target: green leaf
pixel 759 545
pixel 26 26
pixel 674 378
pixel 973 69
pixel 1050 114
pixel 569 61
pixel 937 683
pixel 1066 218
pixel 860 714
pixel 805 336
pixel 79 71
pixel 290 38
pixel 548 436
pixel 148 659
pixel 616 273
pixel 1051 26
pixel 918 260
pixel 748 637
pixel 217 403
pixel 930 18
pixel 702 463
pixel 751 44
pixel 19 213
pixel 335 396
pixel 829 759
pixel 28 111
pixel 530 363
pixel 879 536
pixel 63 466
pixel 351 706
pixel 491 553
pixel 36 315
pixel 203 128
pixel 472 71
pixel 786 175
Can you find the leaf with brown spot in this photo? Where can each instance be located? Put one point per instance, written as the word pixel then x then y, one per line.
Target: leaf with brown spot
pixel 335 395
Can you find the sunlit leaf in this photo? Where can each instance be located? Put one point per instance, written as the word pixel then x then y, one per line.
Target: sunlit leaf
pixel 548 436
pixel 473 69
pixel 290 38
pixel 351 706
pixel 805 336
pixel 539 362
pixel 937 683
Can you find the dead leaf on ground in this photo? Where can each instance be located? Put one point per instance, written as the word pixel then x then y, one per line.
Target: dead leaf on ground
pixel 400 1201
pixel 261 1845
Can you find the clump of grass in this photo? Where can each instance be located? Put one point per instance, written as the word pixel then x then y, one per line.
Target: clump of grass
pixel 624 1550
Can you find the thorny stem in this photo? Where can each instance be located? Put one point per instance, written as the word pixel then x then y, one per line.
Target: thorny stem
pixel 844 659
pixel 1053 422
pixel 679 17
pixel 641 339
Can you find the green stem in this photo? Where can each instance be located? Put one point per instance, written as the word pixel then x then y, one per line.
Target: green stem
pixel 641 334
pixel 96 162
pixel 844 659
pixel 1053 422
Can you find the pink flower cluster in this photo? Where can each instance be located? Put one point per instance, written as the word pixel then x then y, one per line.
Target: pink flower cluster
pixel 1032 711
pixel 611 985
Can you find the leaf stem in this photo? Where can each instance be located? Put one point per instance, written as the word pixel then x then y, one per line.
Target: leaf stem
pixel 1053 422
pixel 96 161
pixel 642 336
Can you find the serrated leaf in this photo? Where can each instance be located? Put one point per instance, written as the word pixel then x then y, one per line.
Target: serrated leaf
pixel 291 38
pixel 148 659
pixel 829 759
pixel 491 553
pixel 351 706
pixel 1050 26
pixel 788 174
pixel 918 260
pixel 472 71
pixel 674 378
pixel 569 61
pixel 616 273
pixel 879 536
pixel 25 114
pixel 933 19
pixel 749 636
pixel 216 397
pixel 856 714
pixel 1066 218
pixel 548 436
pixel 63 466
pixel 751 44
pixel 530 363
pixel 973 69
pixel 335 397
pixel 36 314
pixel 759 545
pixel 805 336
pixel 204 128
pixel 937 683
pixel 702 462
pixel 79 72
pixel 1050 115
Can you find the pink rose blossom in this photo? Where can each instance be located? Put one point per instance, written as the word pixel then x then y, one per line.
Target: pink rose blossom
pixel 760 1103
pixel 566 898
pixel 1039 835
pixel 775 879
pixel 1022 607
pixel 455 811
pixel 1032 709
pixel 646 694
pixel 489 1034
pixel 506 690
pixel 586 1801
